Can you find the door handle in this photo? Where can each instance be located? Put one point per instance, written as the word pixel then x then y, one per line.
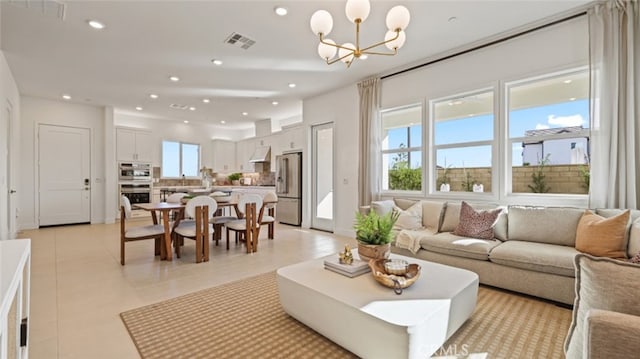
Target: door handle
pixel 12 191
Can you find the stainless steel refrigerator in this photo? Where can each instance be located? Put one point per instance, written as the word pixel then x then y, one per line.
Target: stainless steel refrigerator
pixel 289 188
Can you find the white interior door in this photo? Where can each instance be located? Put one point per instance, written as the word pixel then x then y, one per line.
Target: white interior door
pixel 322 174
pixel 4 174
pixel 64 175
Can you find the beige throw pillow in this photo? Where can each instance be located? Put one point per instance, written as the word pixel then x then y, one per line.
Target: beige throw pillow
pixel 411 218
pixel 602 237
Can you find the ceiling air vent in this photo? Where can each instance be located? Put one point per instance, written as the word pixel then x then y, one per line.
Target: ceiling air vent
pixel 239 40
pixel 178 107
pixel 45 7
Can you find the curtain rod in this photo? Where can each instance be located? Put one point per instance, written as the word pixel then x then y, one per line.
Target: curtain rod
pixel 571 17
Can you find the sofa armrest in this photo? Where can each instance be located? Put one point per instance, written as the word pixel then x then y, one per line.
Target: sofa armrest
pixel 611 335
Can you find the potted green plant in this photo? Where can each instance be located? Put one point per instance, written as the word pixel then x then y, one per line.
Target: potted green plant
pixel 374 234
pixel 235 178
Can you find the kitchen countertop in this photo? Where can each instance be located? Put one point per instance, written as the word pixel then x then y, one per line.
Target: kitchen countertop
pixel 213 187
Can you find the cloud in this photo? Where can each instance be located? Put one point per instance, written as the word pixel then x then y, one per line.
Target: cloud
pixel 566 121
pixel 541 126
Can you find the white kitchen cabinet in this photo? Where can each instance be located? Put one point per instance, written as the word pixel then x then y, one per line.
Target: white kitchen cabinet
pixel 134 145
pixel 224 156
pixel 292 138
pixel 15 278
pixel 244 151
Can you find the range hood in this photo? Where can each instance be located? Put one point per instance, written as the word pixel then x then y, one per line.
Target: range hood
pixel 261 154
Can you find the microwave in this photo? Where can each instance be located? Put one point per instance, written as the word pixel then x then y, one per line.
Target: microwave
pixel 133 171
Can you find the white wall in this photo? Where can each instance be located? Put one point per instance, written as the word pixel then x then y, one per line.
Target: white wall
pixel 340 107
pixel 552 48
pixel 36 111
pixel 10 97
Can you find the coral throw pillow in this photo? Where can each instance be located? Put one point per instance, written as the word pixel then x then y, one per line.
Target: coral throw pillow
pixel 602 237
pixel 476 224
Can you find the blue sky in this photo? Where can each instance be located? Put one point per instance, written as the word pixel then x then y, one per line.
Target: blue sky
pixel 480 128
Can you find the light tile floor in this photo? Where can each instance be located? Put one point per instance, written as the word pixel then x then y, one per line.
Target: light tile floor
pixel 79 288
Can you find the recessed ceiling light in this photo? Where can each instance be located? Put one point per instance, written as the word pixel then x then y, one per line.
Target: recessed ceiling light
pixel 96 24
pixel 292 85
pixel 245 113
pixel 223 122
pixel 185 121
pixel 192 108
pixel 452 19
pixel 217 62
pixel 206 100
pixel 138 108
pixel 275 103
pixel 153 96
pixel 572 99
pixel 174 78
pixel 567 81
pixel 66 97
pixel 280 11
pixel 363 57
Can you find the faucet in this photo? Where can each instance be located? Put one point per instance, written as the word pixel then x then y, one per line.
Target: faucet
pixel 183 178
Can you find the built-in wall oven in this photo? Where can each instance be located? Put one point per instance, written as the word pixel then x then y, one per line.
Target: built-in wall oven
pixel 134 171
pixel 136 192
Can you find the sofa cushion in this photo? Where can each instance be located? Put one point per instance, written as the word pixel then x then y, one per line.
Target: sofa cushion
pixel 452 214
pixel 432 213
pixel 634 216
pixel 633 246
pixel 476 224
pixel 501 227
pixel 448 243
pixel 539 257
pixel 411 218
pixel 554 225
pixel 404 203
pixel 381 208
pixel 603 237
pixel 601 283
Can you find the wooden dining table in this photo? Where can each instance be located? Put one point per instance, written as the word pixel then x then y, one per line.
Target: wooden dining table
pixel 164 209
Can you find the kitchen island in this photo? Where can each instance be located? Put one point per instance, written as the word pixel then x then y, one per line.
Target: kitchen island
pixel 160 193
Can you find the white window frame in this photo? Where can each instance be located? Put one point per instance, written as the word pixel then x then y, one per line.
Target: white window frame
pixel 494 143
pixel 181 143
pixel 422 149
pixel 507 195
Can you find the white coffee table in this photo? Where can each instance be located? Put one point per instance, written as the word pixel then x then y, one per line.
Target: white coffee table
pixel 370 320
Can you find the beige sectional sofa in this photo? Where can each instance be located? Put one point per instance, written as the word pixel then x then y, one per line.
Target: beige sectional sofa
pixel 533 250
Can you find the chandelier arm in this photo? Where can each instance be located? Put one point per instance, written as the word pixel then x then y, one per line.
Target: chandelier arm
pixel 335 45
pixel 382 42
pixel 340 58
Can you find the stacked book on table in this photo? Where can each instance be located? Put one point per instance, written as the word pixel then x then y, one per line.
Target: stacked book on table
pixel 354 269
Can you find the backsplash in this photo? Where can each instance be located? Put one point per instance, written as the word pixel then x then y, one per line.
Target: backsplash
pixel 256 179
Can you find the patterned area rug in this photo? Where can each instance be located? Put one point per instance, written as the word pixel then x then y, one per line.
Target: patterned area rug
pixel 244 319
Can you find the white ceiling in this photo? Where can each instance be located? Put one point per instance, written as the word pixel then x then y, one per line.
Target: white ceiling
pixel 147 41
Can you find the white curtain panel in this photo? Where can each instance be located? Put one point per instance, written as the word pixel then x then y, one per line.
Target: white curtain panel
pixel 614 35
pixel 370 139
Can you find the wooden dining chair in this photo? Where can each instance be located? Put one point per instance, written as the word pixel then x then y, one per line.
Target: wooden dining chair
pixel 175 198
pixel 268 217
pixel 136 233
pixel 247 229
pixel 199 211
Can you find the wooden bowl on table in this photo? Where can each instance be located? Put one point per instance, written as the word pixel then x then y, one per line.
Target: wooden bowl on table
pixel 398 282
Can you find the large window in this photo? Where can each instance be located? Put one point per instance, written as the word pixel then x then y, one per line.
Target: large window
pixel 548 126
pixel 463 137
pixel 180 159
pixel 402 149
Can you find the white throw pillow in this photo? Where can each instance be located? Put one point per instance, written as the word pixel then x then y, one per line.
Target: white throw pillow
pixel 411 218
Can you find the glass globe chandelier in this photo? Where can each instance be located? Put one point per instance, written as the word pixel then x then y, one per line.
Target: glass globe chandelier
pixel 357 12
